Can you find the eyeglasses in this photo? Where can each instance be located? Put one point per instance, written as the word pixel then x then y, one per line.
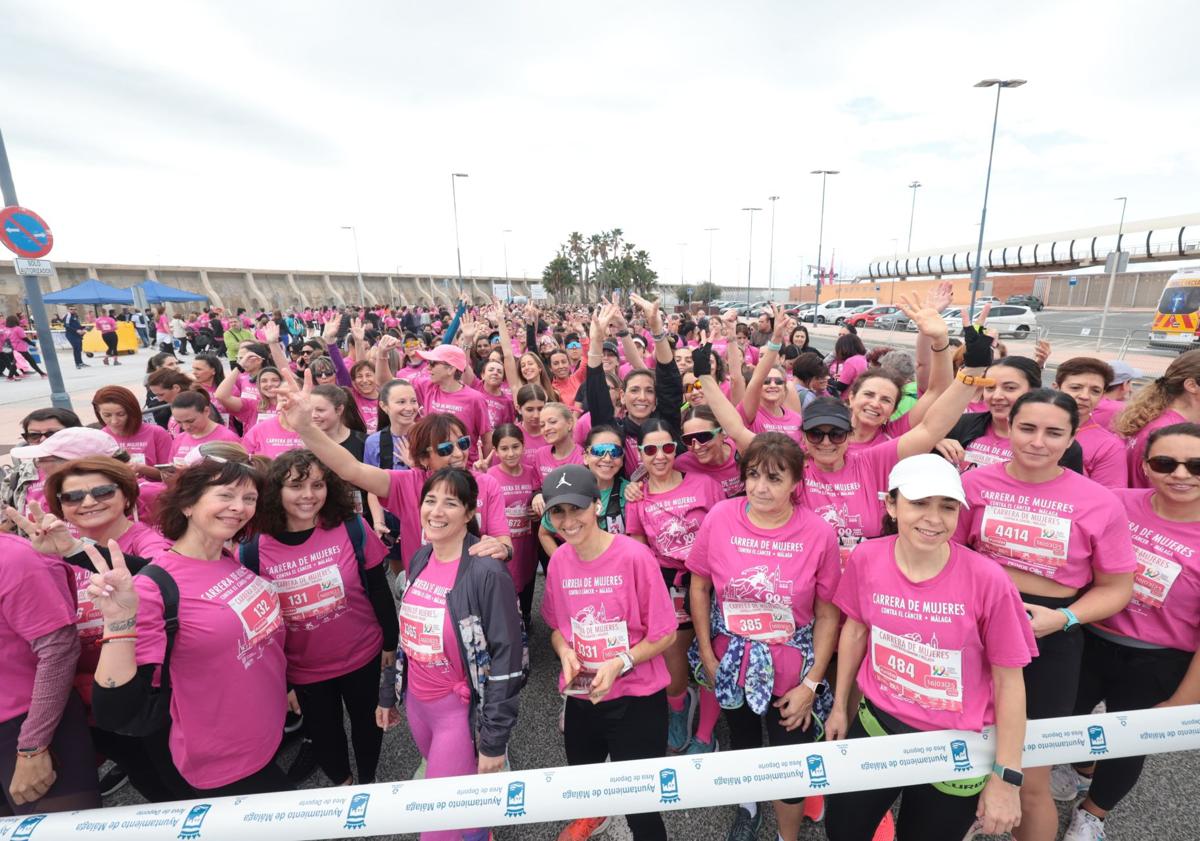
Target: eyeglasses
pixel 835 436
pixel 652 449
pixel 447 447
pixel 98 493
pixel 573 346
pixel 35 437
pixel 774 381
pixel 698 439
pixel 1166 465
pixel 612 451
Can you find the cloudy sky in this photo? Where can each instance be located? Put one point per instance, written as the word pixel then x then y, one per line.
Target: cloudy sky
pixel 246 133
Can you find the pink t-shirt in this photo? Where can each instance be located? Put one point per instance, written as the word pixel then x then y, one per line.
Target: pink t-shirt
pixel 435 665
pixel 16 338
pixel 1165 609
pixel 535 442
pixel 544 461
pixel 143 541
pixel 185 443
pixel 1061 529
pixel 368 407
pixel 499 407
pixel 227 667
pixel 988 448
pixel 404 500
pixel 766 581
pixel 933 643
pixel 887 432
pixel 148 494
pixel 669 521
pixel 518 493
pixel 245 388
pixel 1103 456
pixel 36 598
pixel 608 605
pixel 105 324
pixel 788 423
pixel 466 404
pixel 149 445
pixel 1106 412
pixel 270 439
pixel 849 370
pixel 1136 452
pixel 848 499
pixel 728 473
pixel 331 626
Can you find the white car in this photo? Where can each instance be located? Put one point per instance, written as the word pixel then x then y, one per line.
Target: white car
pixel 1004 320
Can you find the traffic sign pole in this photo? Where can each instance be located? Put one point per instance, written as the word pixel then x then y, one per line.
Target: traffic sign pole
pixel 33 294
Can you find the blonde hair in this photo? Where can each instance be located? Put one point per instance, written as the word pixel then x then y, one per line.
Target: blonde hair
pixel 1153 399
pixel 563 410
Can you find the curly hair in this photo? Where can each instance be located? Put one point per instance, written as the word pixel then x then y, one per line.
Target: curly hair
pixel 296 466
pixel 1152 400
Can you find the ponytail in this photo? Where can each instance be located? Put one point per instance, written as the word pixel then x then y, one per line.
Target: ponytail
pixel 1152 400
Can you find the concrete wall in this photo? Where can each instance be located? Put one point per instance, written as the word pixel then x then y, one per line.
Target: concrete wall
pixel 255 288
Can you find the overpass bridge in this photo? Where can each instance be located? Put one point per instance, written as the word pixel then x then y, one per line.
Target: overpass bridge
pixel 1150 240
pixel 269 288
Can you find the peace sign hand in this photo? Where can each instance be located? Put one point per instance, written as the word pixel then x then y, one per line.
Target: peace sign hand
pixel 47 533
pixel 112 588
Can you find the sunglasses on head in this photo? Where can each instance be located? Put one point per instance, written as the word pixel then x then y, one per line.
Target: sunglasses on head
pixel 98 493
pixel 696 439
pixel 1167 465
pixel 612 451
pixel 447 447
pixel 652 449
pixel 34 437
pixel 835 436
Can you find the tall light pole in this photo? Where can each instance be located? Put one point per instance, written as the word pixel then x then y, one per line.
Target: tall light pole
pixel 454 176
pixel 771 259
pixel 977 272
pixel 362 290
pixel 710 232
pixel 750 250
pixel 912 213
pixel 1112 272
pixel 824 173
pixel 505 234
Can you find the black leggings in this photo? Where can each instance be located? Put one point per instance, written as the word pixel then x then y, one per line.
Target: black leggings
pixel 322 702
pixel 1125 679
pixel 32 362
pixel 147 761
pixel 746 729
pixel 1052 677
pixel 633 727
pixel 926 814
pixel 263 781
pixel 74 762
pixel 110 342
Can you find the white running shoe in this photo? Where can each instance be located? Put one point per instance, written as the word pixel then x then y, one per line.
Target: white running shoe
pixel 1084 827
pixel 1067 785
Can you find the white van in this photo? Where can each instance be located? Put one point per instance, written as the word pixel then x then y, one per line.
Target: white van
pixel 835 311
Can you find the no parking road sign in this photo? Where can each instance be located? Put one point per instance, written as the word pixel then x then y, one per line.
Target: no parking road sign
pixel 24 233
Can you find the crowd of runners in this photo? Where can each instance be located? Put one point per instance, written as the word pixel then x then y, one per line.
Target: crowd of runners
pixel 335 521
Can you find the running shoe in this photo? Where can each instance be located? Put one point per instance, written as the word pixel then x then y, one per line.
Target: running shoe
pixel 1067 785
pixel 304 765
pixel 745 828
pixel 583 829
pixel 814 808
pixel 886 831
pixel 679 723
pixel 114 780
pixel 1084 827
pixel 696 746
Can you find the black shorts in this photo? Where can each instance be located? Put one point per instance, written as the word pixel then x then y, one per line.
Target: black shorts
pixel 1052 678
pixel 670 576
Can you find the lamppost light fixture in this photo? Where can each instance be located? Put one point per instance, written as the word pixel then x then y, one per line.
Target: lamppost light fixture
pixel 1004 83
pixel 825 172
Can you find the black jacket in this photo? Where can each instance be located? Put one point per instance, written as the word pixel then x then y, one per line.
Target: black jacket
pixel 976 424
pixel 668 384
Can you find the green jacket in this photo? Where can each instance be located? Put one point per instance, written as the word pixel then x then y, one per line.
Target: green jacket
pixel 234 336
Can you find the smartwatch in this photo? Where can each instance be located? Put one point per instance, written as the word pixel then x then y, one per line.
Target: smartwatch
pixel 1008 775
pixel 626 662
pixel 1072 620
pixel 817 689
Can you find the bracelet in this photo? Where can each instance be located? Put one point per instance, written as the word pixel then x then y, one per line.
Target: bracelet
pixel 621 334
pixel 30 753
pixel 775 346
pixel 940 349
pixel 117 638
pixel 658 337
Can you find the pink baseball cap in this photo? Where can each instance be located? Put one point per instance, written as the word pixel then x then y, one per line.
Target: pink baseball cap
pixel 450 354
pixel 75 442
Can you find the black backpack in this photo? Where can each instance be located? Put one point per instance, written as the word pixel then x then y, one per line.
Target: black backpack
pixel 248 554
pixel 155 713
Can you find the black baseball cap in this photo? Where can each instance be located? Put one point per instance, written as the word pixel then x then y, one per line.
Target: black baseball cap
pixel 826 411
pixel 572 484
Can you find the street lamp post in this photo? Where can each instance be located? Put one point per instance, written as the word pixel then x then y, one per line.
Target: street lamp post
pixel 1112 272
pixel 750 250
pixel 824 173
pixel 771 259
pixel 977 271
pixel 506 232
pixel 710 244
pixel 457 248
pixel 362 290
pixel 912 213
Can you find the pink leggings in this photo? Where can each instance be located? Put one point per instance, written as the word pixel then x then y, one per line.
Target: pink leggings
pixel 442 731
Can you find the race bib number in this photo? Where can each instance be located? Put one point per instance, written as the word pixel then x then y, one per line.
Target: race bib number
pixel 928 676
pixel 979 458
pixel 759 621
pixel 1154 577
pixel 1031 540
pixel 596 643
pixel 310 597
pixel 421 632
pixel 257 607
pixel 518 520
pixel 137 458
pixel 89 621
pixel 265 416
pixel 677 598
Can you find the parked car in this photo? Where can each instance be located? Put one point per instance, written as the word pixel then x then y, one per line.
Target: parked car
pixel 987 299
pixel 869 316
pixel 1031 301
pixel 895 321
pixel 836 310
pixel 798 312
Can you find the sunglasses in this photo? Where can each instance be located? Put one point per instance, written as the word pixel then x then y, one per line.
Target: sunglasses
pixel 411 345
pixel 698 439
pixel 98 493
pixel 612 451
pixel 447 447
pixel 35 437
pixel 1167 465
pixel 693 386
pixel 573 346
pixel 774 381
pixel 652 449
pixel 835 436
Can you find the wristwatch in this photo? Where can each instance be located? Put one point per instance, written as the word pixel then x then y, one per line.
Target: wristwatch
pixel 968 379
pixel 1072 619
pixel 626 661
pixel 818 689
pixel 1008 775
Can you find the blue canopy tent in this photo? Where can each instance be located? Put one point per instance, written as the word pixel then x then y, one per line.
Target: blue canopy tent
pixel 90 292
pixel 160 293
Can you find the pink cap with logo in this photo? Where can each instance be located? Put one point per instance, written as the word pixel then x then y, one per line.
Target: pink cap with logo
pixel 449 354
pixel 74 442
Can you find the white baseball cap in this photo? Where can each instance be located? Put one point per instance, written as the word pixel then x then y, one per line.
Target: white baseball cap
pixel 926 475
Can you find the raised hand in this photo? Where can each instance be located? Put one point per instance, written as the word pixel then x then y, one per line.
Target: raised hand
pixel 357 330
pixel 271 332
pixel 940 296
pixel 47 534
pixel 928 320
pixel 295 403
pixel 111 589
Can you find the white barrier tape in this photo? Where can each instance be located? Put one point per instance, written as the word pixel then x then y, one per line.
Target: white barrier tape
pixel 645 785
